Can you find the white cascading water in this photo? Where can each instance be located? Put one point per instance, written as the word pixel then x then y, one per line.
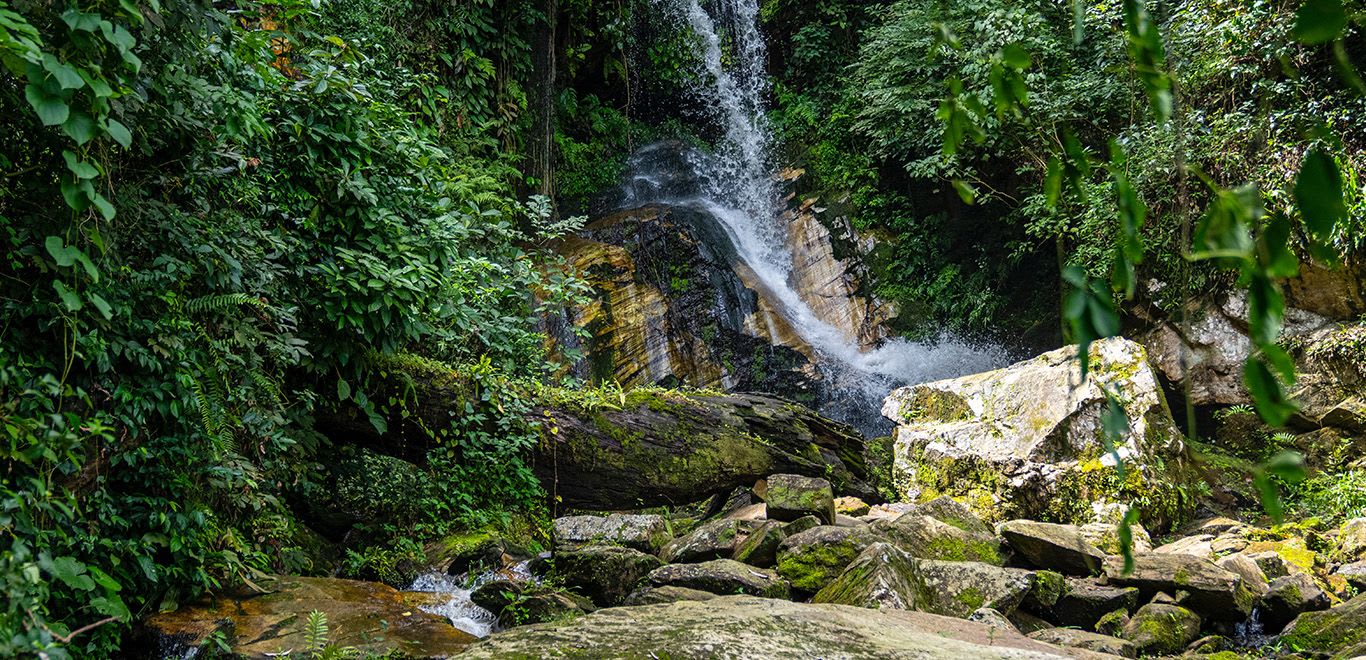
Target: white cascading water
pixel 739 189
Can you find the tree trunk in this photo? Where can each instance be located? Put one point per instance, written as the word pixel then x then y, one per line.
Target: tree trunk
pixel 654 448
pixel 545 62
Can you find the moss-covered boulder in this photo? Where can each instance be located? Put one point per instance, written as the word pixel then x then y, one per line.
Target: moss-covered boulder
pixel 1061 548
pixel 950 511
pixel 1162 629
pixel 666 594
pixel 881 577
pixel 924 537
pixel 1351 545
pixel 812 559
pixel 791 496
pixel 1214 592
pixel 605 574
pixel 1026 441
pixel 1338 631
pixel 958 588
pixel 713 540
pixel 722 576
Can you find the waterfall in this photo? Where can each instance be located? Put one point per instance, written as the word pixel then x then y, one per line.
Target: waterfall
pixel 736 184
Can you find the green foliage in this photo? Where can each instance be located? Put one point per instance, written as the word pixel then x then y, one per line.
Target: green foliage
pixel 212 224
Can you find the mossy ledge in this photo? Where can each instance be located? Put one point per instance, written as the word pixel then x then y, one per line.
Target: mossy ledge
pixel 634 448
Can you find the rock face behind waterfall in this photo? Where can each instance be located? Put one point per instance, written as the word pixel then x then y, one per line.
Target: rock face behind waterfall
pixel 1026 441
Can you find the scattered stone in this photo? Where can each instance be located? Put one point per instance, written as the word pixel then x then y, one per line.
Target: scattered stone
pixel 760 548
pixel 1333 631
pixel 1027 623
pixel 879 578
pixel 534 603
pixel 760 629
pixel 851 506
pixel 1162 629
pixel 801 525
pixel 928 538
pixel 1083 603
pixel 957 588
pixel 1024 441
pixel 1294 552
pixel 750 512
pixel 457 554
pixel 1105 536
pixel 1352 541
pixel 714 540
pixel 646 533
pixel 993 618
pixel 1209 645
pixel 1289 596
pixel 1113 623
pixel 666 594
pixel 1222 526
pixel 1354 573
pixel 1048 588
pixel 890 511
pixel 1080 639
pixel 605 574
pixel 1217 593
pixel 1195 546
pixel 951 511
pixel 1061 548
pixel 1224 545
pixel 842 520
pixel 791 496
pixel 258 625
pixel 1247 569
pixel 721 576
pixel 811 559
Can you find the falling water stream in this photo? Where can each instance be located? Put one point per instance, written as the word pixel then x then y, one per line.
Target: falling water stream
pixel 737 186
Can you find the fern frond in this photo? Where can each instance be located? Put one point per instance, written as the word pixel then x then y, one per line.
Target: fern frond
pixel 315 632
pixel 221 301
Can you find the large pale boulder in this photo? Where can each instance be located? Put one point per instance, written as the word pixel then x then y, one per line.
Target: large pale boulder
pixel 1026 441
pixel 1062 548
pixel 740 627
pixel 721 576
pixel 642 532
pixel 714 540
pixel 881 577
pixel 928 538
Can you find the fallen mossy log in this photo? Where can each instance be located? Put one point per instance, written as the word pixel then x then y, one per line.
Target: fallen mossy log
pixel 645 447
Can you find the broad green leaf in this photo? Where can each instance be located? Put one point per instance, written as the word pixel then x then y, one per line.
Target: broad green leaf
pixel 64 74
pixel 64 255
pixel 69 298
pixel 52 110
pixel 119 133
pixel 1279 258
pixel 1318 195
pixel 71 572
pixel 343 389
pixel 1125 533
pixel 100 304
pixel 80 168
pixel 1320 21
pixel 1289 466
pixel 79 20
pixel 103 206
pixel 79 127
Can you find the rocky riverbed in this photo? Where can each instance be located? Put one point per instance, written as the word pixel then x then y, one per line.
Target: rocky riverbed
pixel 994 530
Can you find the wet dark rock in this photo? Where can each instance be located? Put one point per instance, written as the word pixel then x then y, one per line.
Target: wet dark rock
pixel 1287 597
pixel 605 574
pixel 760 548
pixel 1084 602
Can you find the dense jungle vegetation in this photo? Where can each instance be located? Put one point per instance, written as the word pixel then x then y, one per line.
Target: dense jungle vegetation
pixel 222 222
